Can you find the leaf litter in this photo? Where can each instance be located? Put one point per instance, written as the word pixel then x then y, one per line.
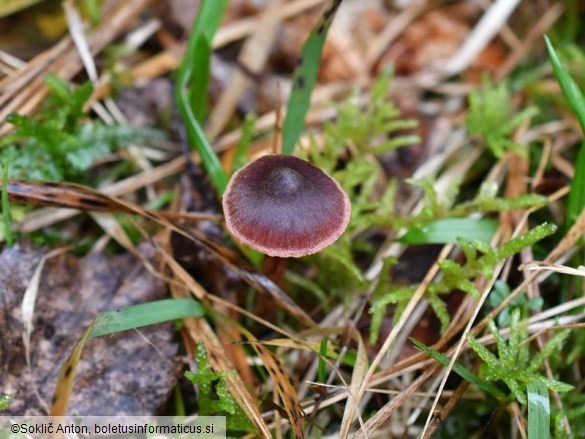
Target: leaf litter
pixel 197 259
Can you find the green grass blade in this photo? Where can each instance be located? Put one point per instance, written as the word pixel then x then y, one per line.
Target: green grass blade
pixel 538 411
pixel 577 102
pixel 198 53
pixel 196 137
pixel 115 321
pixel 322 366
pixel 447 231
pixel 6 206
pixel 191 89
pixel 576 200
pixel 304 79
pixel 198 90
pixel 145 314
pixel 462 371
pixel 568 85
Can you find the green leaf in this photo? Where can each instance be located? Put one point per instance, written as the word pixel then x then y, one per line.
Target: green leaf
pixel 568 85
pixel 447 231
pixel 190 86
pixel 321 367
pixel 485 354
pixel 534 235
pixel 304 79
pixel 577 102
pixel 198 53
pixel 198 91
pixel 576 200
pixel 145 314
pixel 538 411
pixel 462 371
pixel 440 309
pixel 551 348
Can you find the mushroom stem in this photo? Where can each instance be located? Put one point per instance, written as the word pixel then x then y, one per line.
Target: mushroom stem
pixel 273 267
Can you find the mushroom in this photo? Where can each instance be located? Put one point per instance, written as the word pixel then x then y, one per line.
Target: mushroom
pixel 284 206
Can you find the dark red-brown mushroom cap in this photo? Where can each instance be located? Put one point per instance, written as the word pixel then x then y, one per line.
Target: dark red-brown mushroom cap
pixel 284 206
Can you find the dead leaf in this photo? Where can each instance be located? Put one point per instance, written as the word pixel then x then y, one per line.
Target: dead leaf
pixel 128 373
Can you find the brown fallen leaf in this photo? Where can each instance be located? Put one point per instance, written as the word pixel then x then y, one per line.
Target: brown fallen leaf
pixel 127 373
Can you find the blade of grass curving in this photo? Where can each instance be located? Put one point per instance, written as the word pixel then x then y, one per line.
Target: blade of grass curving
pixel 462 371
pixel 135 316
pixel 145 314
pixel 191 89
pixel 577 102
pixel 568 85
pixel 6 206
pixel 198 54
pixel 538 411
pixel 66 378
pixel 447 231
pixel 304 79
pixel 206 24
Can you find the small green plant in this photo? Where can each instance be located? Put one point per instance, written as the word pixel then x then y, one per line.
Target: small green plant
pixel 363 130
pixel 215 398
pixel 58 143
pixel 576 100
pixel 481 259
pixel 5 401
pixel 439 208
pixel 371 128
pixel 492 118
pixel 514 365
pixel 358 134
